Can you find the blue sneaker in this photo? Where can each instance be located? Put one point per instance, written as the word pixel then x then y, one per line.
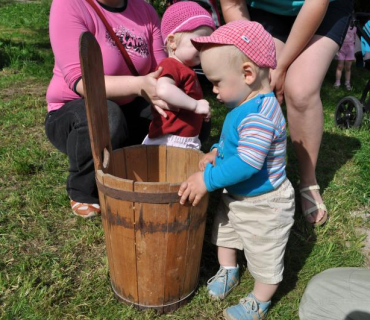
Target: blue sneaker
pixel 249 308
pixel 223 282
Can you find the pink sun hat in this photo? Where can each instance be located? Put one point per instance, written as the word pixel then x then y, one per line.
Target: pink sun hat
pixel 185 16
pixel 249 37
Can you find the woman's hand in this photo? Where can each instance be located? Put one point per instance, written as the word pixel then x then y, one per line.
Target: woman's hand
pixel 277 81
pixel 147 88
pixel 209 157
pixel 148 92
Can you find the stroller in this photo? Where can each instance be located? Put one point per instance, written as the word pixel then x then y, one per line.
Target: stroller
pixel 349 111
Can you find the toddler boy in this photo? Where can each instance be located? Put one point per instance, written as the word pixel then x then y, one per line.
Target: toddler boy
pixel 257 206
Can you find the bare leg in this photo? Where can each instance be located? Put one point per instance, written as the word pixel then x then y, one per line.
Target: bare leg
pixel 264 292
pixel 338 72
pixel 305 117
pixel 347 74
pixel 226 257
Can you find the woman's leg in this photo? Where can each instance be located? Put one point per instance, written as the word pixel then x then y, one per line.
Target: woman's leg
pixel 67 130
pixel 338 72
pixel 305 115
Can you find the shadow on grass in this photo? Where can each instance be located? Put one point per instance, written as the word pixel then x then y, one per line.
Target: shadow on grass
pixel 20 51
pixel 358 315
pixel 336 150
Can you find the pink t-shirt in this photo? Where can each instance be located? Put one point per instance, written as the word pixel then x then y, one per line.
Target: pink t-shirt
pixel 350 36
pixel 137 27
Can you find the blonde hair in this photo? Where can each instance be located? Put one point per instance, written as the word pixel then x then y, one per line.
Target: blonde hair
pixel 234 57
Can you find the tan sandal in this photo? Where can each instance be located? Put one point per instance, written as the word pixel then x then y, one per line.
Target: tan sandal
pixel 85 210
pixel 317 205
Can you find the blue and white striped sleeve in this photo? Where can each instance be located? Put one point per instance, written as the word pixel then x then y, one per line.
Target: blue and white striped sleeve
pixel 255 137
pixel 256 134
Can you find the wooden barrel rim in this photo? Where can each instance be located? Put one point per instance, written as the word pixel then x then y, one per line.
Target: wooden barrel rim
pixel 134 196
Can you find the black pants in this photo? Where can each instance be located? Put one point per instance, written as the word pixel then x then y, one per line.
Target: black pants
pixel 67 129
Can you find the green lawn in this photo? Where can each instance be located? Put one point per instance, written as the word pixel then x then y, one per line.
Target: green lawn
pixel 54 266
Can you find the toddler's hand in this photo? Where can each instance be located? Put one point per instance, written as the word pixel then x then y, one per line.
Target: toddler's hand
pixel 209 157
pixel 193 189
pixel 203 108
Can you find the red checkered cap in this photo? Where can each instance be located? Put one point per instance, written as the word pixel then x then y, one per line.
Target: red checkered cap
pixel 249 37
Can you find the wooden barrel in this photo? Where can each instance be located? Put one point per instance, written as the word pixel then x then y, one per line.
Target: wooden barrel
pixel 154 244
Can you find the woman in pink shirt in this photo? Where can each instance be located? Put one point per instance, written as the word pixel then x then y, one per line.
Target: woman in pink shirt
pixel 137 26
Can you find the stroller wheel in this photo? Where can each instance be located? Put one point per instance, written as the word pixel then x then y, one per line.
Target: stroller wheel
pixel 349 113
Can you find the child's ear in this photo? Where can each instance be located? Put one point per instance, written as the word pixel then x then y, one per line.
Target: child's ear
pixel 250 72
pixel 171 41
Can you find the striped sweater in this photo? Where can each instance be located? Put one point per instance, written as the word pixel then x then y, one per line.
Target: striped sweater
pixel 251 152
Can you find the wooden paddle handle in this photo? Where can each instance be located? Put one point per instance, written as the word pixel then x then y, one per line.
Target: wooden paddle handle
pixel 95 100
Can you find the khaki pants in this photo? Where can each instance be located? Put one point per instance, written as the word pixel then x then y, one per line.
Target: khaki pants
pixel 261 226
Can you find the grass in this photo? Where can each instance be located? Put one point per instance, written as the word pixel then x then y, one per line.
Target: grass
pixel 54 266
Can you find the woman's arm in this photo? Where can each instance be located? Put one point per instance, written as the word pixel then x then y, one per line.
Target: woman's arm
pixel 305 26
pixel 68 19
pixel 234 10
pixel 307 22
pixel 130 86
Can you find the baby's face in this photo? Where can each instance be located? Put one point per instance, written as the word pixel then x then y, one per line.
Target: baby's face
pixel 228 80
pixel 185 51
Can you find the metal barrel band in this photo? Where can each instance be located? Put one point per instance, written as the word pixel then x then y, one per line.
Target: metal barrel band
pixel 149 306
pixel 143 197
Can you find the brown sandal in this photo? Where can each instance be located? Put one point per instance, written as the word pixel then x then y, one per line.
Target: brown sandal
pixel 85 210
pixel 317 205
